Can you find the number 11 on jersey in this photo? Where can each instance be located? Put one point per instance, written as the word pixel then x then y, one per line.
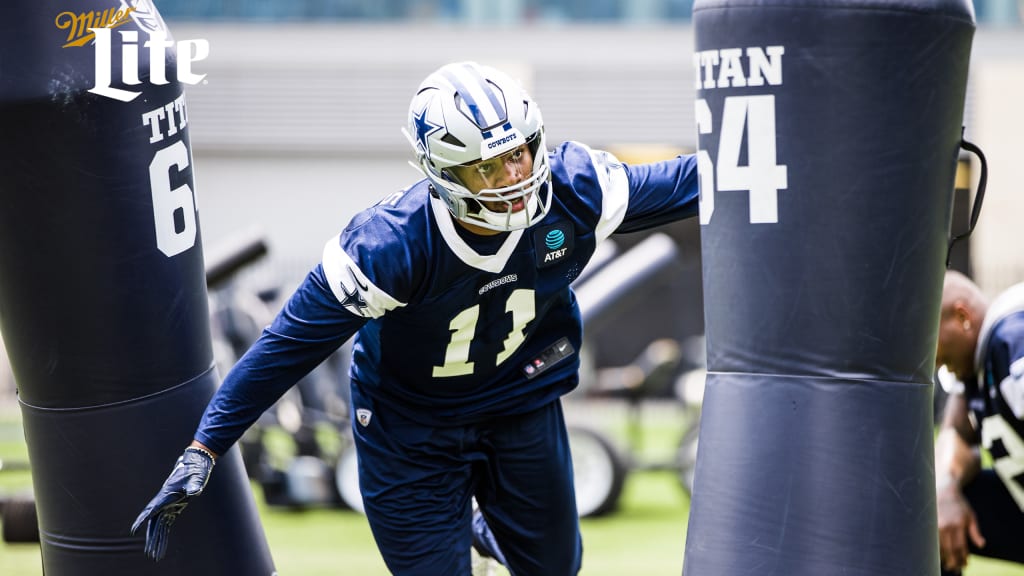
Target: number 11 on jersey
pixel 463 327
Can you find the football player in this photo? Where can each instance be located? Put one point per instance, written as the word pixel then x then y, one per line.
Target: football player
pixel 467 334
pixel 981 511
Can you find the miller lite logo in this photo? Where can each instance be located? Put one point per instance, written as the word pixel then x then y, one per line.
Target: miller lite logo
pixel 97 28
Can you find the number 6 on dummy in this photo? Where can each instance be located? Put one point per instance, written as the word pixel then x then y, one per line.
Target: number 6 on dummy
pixel 102 290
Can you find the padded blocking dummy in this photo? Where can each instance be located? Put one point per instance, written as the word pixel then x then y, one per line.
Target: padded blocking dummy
pixel 829 133
pixel 102 295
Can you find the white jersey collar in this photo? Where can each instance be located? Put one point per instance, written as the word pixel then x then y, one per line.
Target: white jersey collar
pixel 488 263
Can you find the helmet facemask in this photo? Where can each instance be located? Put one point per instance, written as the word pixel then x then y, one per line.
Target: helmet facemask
pixel 512 207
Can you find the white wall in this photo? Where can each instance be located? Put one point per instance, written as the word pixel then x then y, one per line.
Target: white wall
pixel 998 243
pixel 298 203
pixel 297 127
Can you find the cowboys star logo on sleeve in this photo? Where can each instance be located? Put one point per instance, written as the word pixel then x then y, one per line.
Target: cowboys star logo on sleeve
pixel 355 297
pixel 353 289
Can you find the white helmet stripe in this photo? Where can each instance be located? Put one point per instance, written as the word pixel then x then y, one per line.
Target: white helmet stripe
pixel 494 95
pixel 484 104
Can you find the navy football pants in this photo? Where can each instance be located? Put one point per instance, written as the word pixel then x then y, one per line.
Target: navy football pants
pixel 418 481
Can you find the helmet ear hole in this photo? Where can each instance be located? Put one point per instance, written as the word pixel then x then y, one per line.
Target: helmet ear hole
pixel 534 143
pixel 451 139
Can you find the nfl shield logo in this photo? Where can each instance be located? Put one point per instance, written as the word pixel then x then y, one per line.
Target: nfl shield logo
pixel 363 416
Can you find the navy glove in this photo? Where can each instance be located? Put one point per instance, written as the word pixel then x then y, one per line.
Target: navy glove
pixel 187 479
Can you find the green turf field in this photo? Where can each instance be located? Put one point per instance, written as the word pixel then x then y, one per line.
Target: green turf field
pixel 646 537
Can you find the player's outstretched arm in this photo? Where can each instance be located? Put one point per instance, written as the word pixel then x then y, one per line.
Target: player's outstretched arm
pixel 187 479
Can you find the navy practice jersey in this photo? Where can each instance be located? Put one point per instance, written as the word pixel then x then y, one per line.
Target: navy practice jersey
pixel 998 402
pixel 452 327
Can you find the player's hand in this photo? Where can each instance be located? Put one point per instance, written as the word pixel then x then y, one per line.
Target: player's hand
pixel 957 523
pixel 187 479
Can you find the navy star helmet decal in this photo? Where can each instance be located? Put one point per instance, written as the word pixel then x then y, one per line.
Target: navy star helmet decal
pixel 424 128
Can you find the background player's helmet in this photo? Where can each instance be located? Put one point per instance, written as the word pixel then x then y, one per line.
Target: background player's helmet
pixel 465 112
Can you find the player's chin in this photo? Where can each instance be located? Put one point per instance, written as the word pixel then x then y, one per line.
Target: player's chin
pixel 505 208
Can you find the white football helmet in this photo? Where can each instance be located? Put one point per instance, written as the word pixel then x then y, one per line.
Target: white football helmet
pixel 464 113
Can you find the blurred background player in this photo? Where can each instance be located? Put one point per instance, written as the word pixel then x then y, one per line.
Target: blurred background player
pixel 466 331
pixel 981 511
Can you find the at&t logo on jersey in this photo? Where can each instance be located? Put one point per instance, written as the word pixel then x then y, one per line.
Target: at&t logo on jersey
pixel 553 244
pixel 97 28
pixel 554 239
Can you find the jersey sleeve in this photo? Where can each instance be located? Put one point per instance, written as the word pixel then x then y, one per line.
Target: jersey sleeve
pixel 307 330
pixel 660 193
pixel 626 198
pixel 376 264
pixel 372 259
pixel 357 287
